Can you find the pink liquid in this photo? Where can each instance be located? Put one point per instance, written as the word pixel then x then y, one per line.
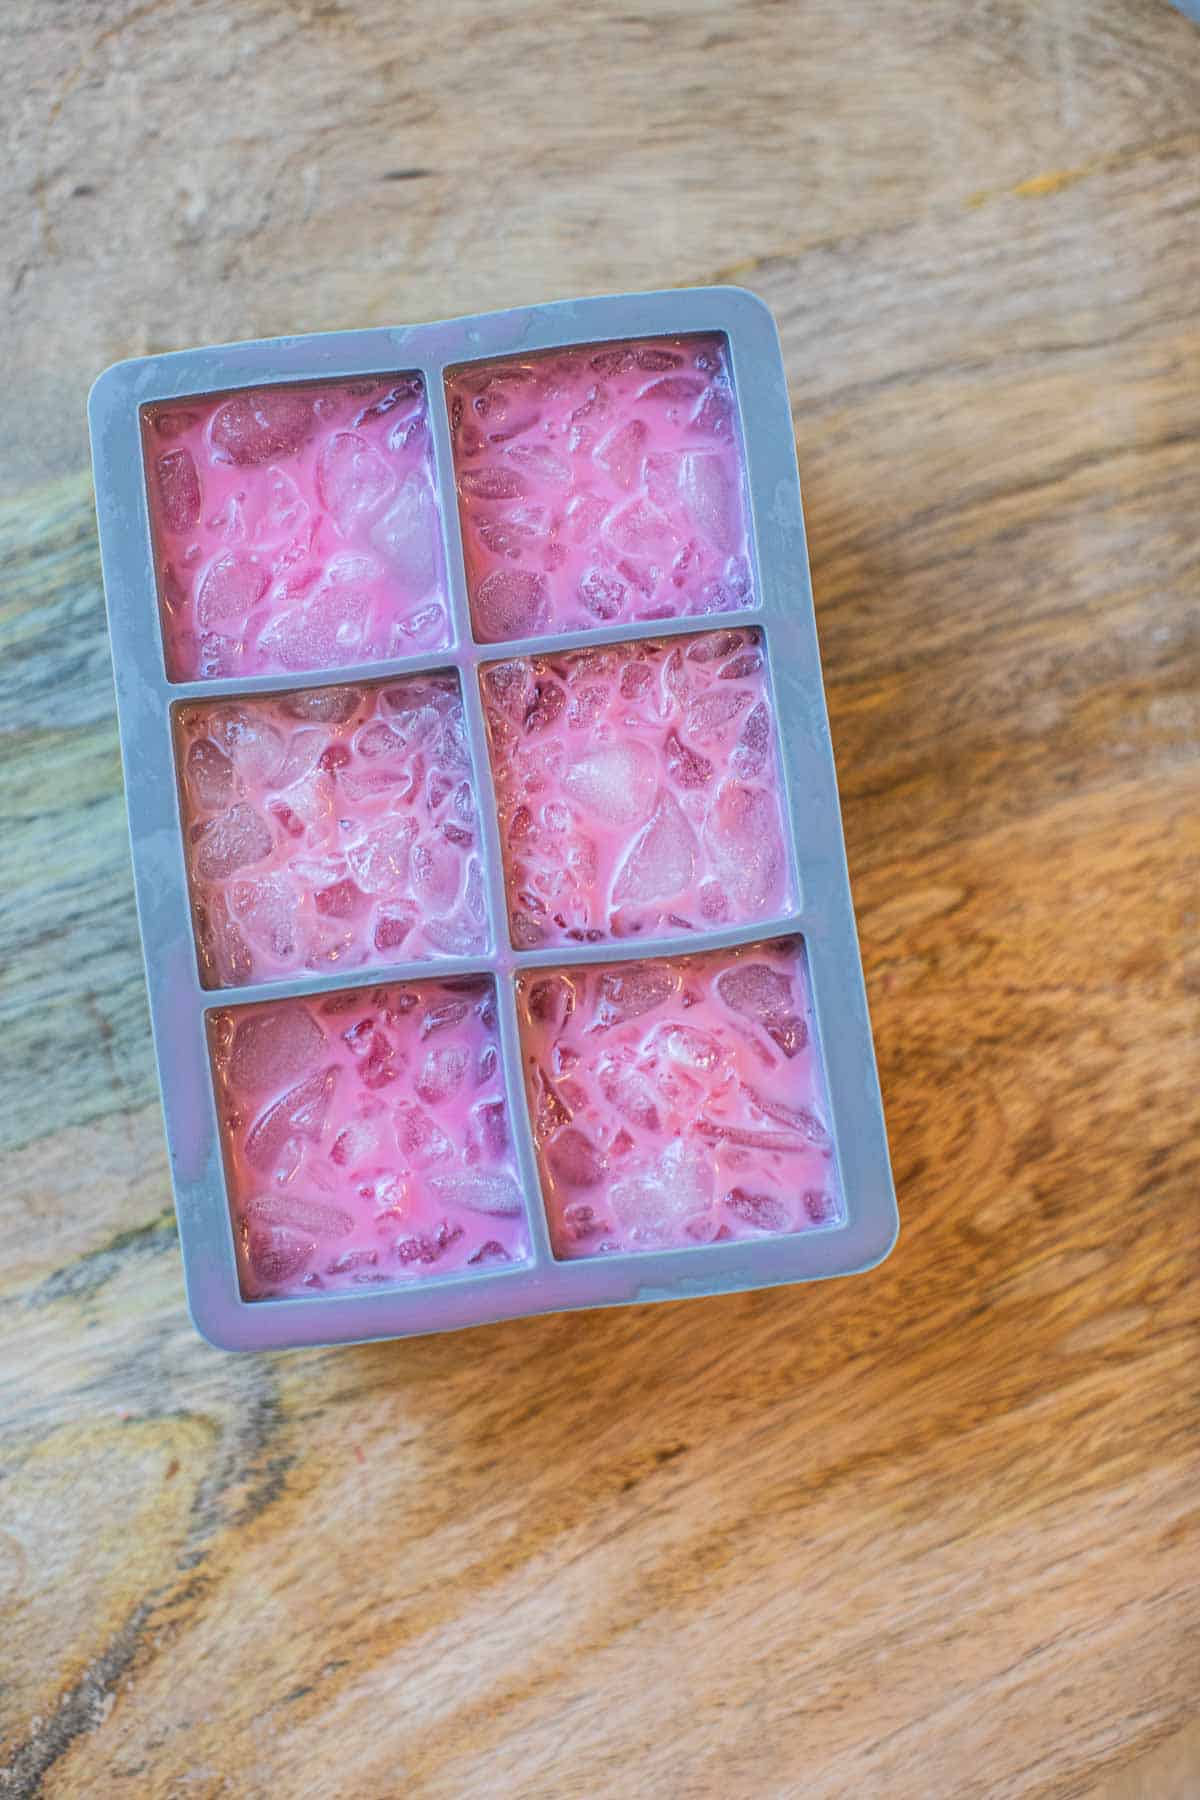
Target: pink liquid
pixel 367 1138
pixel 638 789
pixel 677 1102
pixel 600 484
pixel 295 528
pixel 330 828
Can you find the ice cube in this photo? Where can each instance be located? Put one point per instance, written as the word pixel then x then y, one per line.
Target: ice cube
pixel 709 715
pixel 300 1113
pixel 603 594
pixel 248 737
pixel 640 529
pixel 441 1074
pixel 693 1049
pixel 284 511
pixel 393 925
pixel 231 841
pixel 743 831
pixel 662 858
pixel 324 706
pixel 762 1212
pixel 267 910
pixel 230 586
pixel 480 1190
pixel 621 452
pixel 419 1136
pixel 754 741
pixel 799 1118
pixel 445 1014
pixel 628 991
pixel 436 873
pixel 178 489
pixel 761 993
pixel 540 463
pixel 210 774
pixel 510 603
pixel 709 496
pixel 630 1092
pixel 493 1126
pixel 407 535
pixel 574 1159
pixel 686 767
pixel 668 1202
pixel 616 782
pixel 276 1253
pixel 428 1247
pixel 269 1049
pixel 301 1213
pixel 324 631
pixel 262 423
pixel 358 1140
pixel 353 480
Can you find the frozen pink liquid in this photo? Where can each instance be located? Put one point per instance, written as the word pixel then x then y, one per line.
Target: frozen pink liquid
pixel 367 1138
pixel 295 528
pixel 330 828
pixel 638 789
pixel 677 1102
pixel 598 485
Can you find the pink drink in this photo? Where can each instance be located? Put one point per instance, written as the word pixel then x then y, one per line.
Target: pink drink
pixel 295 528
pixel 599 485
pixel 677 1102
pixel 367 1137
pixel 638 789
pixel 330 828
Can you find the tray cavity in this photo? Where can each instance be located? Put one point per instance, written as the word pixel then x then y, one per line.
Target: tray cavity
pixel 599 484
pixel 295 528
pixel 330 828
pixel 366 1138
pixel 678 1102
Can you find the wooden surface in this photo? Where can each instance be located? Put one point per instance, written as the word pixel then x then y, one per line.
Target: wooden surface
pixel 927 1533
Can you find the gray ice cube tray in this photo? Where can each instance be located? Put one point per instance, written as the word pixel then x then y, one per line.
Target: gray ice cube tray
pixel 824 919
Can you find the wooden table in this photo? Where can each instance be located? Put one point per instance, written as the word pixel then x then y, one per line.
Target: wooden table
pixel 927 1533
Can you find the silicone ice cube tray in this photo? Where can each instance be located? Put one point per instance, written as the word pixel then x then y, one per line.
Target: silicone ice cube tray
pixel 485 832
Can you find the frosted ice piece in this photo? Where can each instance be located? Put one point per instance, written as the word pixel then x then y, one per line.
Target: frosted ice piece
pixel 338 841
pixel 628 502
pixel 666 1110
pixel 359 1143
pixel 295 529
pixel 613 822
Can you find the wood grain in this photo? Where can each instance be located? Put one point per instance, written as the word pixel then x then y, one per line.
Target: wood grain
pixel 930 1532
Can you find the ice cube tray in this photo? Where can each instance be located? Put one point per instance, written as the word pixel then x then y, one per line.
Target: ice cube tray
pixel 485 832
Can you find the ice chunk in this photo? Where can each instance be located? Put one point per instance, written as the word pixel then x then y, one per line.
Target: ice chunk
pixel 762 1212
pixel 628 991
pixel 262 423
pixel 393 924
pixel 709 496
pixel 420 1137
pixel 709 714
pixel 799 1118
pixel 686 767
pixel 640 529
pixel 379 860
pixel 353 480
pixel 480 1190
pixel 359 1139
pixel 574 1159
pixel 407 536
pixel 270 1049
pixel 436 873
pixel 210 774
pixel 231 841
pixel 324 706
pixel 744 832
pixel 750 752
pixel 510 603
pixel 322 632
pixel 178 489
pixel 284 510
pixel 255 746
pixel 428 1247
pixel 672 1197
pixel 661 859
pixel 540 463
pixel 267 910
pixel 276 1254
pixel 300 1113
pixel 621 452
pixel 763 994
pixel 303 1214
pixel 616 782
pixel 630 1092
pixel 441 1074
pixel 232 584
